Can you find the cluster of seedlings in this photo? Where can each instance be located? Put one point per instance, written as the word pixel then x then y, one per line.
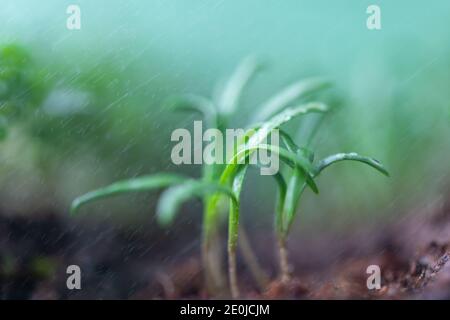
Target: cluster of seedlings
pixel 224 181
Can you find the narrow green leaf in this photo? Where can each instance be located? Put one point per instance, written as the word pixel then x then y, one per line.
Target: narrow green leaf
pixel 292 146
pixel 174 197
pixel 288 142
pixel 239 180
pixel 240 177
pixel 144 183
pixel 282 118
pixel 261 131
pixel 296 184
pixel 233 167
pixel 289 95
pixel 282 188
pixel 290 158
pixel 254 140
pixel 234 211
pixel 324 163
pixel 294 190
pixel 244 73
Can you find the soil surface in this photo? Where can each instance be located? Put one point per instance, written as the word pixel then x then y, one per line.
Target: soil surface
pixel 128 263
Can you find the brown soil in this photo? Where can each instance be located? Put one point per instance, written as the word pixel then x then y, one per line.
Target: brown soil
pixel 119 263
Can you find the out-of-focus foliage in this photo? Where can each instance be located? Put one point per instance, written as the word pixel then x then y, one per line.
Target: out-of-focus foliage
pixel 21 86
pixel 3 129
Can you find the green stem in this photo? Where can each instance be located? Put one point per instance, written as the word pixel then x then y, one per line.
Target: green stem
pixel 211 257
pixel 233 229
pixel 284 261
pixel 281 233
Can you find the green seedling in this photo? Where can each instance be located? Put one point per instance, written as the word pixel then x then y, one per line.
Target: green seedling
pixel 303 172
pixel 290 193
pixel 223 180
pixel 234 173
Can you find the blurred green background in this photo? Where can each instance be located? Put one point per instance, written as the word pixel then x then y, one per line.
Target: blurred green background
pixel 83 108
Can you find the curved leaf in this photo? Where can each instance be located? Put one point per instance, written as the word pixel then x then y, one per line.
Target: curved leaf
pixel 282 118
pixel 294 189
pixel 234 211
pixel 239 180
pixel 281 185
pixel 256 138
pixel 173 198
pixel 288 95
pixel 324 163
pixel 288 142
pixel 290 158
pixel 144 183
pixel 296 184
pixel 260 131
pixel 229 98
pixel 282 188
pixel 233 167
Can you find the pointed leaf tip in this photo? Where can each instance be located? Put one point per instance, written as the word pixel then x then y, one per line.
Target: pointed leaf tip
pixel 144 183
pixel 353 156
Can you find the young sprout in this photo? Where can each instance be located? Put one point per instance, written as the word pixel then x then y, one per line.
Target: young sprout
pixel 233 222
pixel 234 173
pixel 304 171
pixel 291 192
pixel 219 180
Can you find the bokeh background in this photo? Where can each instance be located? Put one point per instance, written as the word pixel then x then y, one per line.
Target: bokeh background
pixel 82 108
